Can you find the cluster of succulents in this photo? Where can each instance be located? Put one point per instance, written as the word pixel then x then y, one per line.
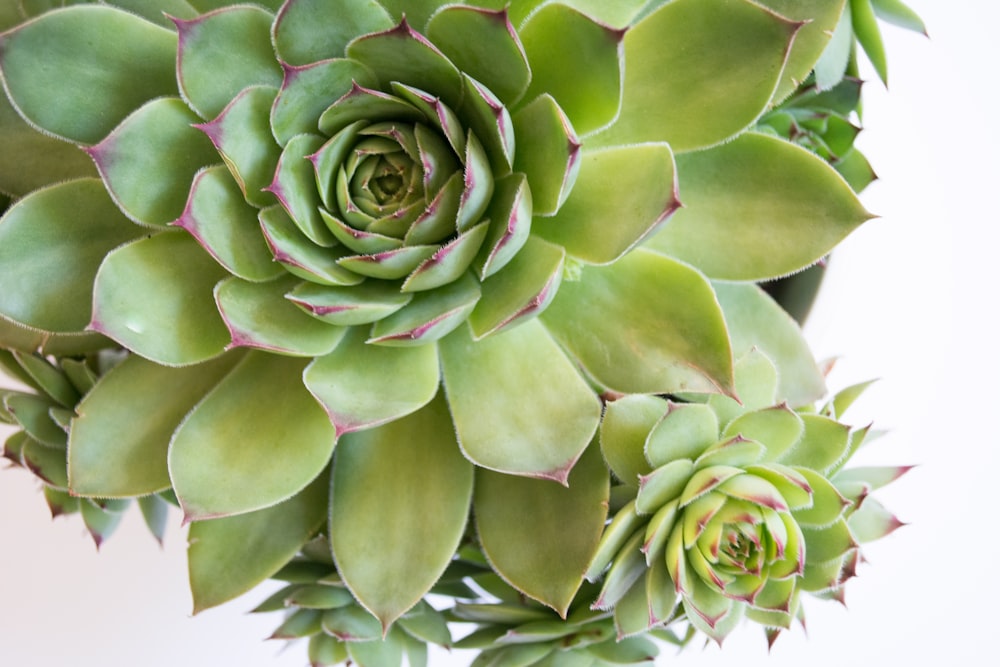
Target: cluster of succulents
pixel 453 299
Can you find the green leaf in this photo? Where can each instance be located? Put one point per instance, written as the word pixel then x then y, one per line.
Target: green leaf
pixel 897 13
pixel 242 135
pixel 638 179
pixel 484 45
pixel 262 428
pixel 576 60
pixel 51 244
pixel 777 428
pixel 307 31
pixel 869 36
pixel 540 536
pixel 698 72
pixel 823 445
pixel 827 503
pixel 430 315
pixel 755 321
pixel 685 431
pixel 392 540
pixel 295 187
pixel 218 216
pixel 872 521
pixel 67 55
pixel 645 324
pixel 835 59
pixel 154 296
pixel 299 254
pixel 547 152
pixel 505 418
pixel 362 385
pixel 416 11
pixel 156 139
pixel 112 453
pixel 352 623
pixel 40 158
pixel 259 315
pixel 625 426
pixel 52 381
pixel 223 52
pixel 825 544
pixel 230 556
pixel 404 55
pixel 155 512
pixel 100 524
pixel 758 208
pixel 820 20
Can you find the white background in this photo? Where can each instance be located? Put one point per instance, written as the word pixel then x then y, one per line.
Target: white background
pixel 910 298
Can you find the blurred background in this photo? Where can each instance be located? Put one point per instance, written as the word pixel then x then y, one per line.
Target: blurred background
pixel 909 298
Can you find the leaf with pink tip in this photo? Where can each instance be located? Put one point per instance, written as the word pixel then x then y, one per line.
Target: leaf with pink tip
pixel 824 444
pixel 391 553
pixel 51 245
pixel 260 316
pixel 366 104
pixel 825 544
pixel 483 44
pixel 753 489
pixel 404 55
pixel 223 52
pixel 263 428
pixel 509 213
pixel 158 138
pixel 663 485
pixel 741 196
pixel 295 187
pixel 299 255
pixel 684 431
pixel 307 31
pixel 874 476
pixel 154 296
pixel 737 451
pixel 578 61
pixel 448 262
pixel 872 521
pixel 645 324
pixel 298 107
pixel 719 74
pixel 710 611
pixel 242 135
pixel 828 504
pixel 98 81
pixel 508 421
pixel 778 428
pixel 489 120
pixel 229 556
pixel 624 429
pixel 391 264
pixel 368 302
pixel 106 428
pixel 548 153
pixel 217 215
pixel 430 315
pixel 362 385
pixel 792 484
pixel 811 40
pixel 512 512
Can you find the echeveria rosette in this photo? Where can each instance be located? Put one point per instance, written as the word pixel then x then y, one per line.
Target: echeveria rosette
pixel 735 509
pixel 42 413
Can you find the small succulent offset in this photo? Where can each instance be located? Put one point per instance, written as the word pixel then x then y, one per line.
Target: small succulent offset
pixel 413 297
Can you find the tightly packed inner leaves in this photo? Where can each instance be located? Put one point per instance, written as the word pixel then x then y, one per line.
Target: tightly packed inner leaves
pixel 441 299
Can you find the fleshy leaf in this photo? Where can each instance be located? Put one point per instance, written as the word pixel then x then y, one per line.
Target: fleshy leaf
pixel 506 420
pixel 217 215
pixel 872 521
pixel 154 296
pixel 404 55
pixel 430 315
pixel 576 60
pixel 263 428
pixel 483 44
pixel 258 315
pixel 41 159
pixel 67 55
pixel 298 107
pixel 822 446
pixel 645 324
pixel 156 139
pixel 391 553
pixel 684 432
pixel 223 52
pixel 307 31
pixel 299 254
pixel 295 186
pixel 362 385
pixel 538 535
pixel 510 213
pixel 548 153
pixel 242 135
pixel 51 245
pixel 227 557
pixel 351 305
pixel 756 321
pixel 638 179
pixel 758 208
pixel 113 454
pixel 721 70
pixel 624 428
pixel 820 17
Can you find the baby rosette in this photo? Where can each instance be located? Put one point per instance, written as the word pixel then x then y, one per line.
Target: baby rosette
pixel 407 229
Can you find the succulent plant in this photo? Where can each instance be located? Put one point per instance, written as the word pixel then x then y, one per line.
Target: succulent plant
pixel 42 417
pixel 374 271
pixel 735 509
